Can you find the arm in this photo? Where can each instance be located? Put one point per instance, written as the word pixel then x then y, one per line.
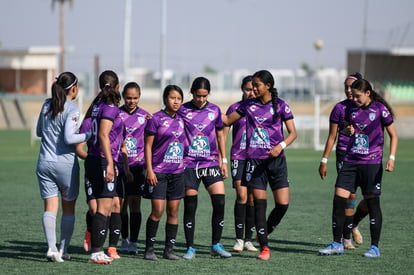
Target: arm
pixel 231 118
pixel 330 141
pixel 221 141
pixel 124 153
pixel 105 127
pixel 70 131
pixel 291 129
pixel 151 177
pixel 80 152
pixel 392 133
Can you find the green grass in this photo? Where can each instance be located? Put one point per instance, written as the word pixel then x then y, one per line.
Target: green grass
pixel 294 245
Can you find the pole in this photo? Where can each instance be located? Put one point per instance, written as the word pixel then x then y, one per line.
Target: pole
pixel 364 41
pixel 127 38
pixel 163 46
pixel 62 35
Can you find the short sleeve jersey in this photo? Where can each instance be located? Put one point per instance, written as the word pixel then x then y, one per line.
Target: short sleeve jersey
pixel 134 123
pixel 338 117
pixel 365 146
pixel 238 148
pixel 85 127
pixel 263 131
pixel 100 111
pixel 200 128
pixel 168 145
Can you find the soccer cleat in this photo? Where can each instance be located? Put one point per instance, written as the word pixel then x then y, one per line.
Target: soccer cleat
pixel 248 245
pixel 264 254
pixel 373 252
pixel 169 254
pixel 238 245
pixel 54 256
pixel 132 248
pixel 150 255
pixel 333 248
pixel 218 250
pixel 124 246
pixel 113 253
pixel 87 242
pixel 356 235
pixel 66 257
pixel 348 244
pixel 190 253
pixel 100 258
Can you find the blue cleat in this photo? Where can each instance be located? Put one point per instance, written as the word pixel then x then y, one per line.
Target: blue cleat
pixel 373 252
pixel 190 254
pixel 218 250
pixel 333 248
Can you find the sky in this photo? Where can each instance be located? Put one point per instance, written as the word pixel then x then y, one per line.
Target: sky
pixel 225 35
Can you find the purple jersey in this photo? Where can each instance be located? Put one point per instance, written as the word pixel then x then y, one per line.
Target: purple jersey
pixel 238 148
pixel 200 128
pixel 263 131
pixel 365 146
pixel 338 117
pixel 85 127
pixel 168 146
pixel 135 123
pixel 101 110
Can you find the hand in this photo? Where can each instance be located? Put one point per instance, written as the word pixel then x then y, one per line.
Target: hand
pixel 109 174
pixel 323 170
pixel 224 170
pixel 390 165
pixel 275 151
pixel 349 130
pixel 152 178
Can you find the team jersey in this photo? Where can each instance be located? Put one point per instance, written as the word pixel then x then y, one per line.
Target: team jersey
pixel 338 117
pixel 85 127
pixel 135 123
pixel 263 131
pixel 101 110
pixel 168 145
pixel 58 135
pixel 200 128
pixel 365 146
pixel 238 147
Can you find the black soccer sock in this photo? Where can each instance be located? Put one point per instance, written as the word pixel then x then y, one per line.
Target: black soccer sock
pixel 98 232
pixel 170 235
pixel 360 213
pixel 347 227
pixel 114 229
pixel 151 233
pixel 260 218
pixel 338 217
pixel 89 218
pixel 239 219
pixel 375 219
pixel 249 223
pixel 135 226
pixel 276 216
pixel 125 226
pixel 190 207
pixel 217 219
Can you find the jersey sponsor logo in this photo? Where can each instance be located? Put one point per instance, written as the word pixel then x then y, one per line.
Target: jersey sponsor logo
pixel 253 108
pixel 200 127
pixel 361 126
pixel 189 115
pixel 361 144
pixel 287 109
pixel 166 124
pixel 189 225
pixel 385 114
pixel 207 172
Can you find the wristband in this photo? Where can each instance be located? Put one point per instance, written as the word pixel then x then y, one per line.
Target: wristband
pixel 324 160
pixel 392 157
pixel 283 144
pixel 224 160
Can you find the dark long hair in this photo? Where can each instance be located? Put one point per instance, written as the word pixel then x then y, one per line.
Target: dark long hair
pixel 365 86
pixel 60 88
pixel 267 78
pixel 108 81
pixel 200 83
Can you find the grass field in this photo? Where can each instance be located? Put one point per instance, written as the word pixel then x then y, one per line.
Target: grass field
pixel 294 244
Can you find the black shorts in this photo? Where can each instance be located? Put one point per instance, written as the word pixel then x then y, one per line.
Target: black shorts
pixel 136 187
pixel 340 154
pixel 209 176
pixel 367 176
pixel 88 190
pixel 94 171
pixel 169 186
pixel 237 169
pixel 259 172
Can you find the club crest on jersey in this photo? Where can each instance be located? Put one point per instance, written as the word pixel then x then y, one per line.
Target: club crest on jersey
pixel 75 119
pixel 141 120
pixel 110 186
pixel 372 116
pixel 272 111
pixel 211 116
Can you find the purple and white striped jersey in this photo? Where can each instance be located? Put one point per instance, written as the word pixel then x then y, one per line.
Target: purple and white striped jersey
pixel 135 124
pixel 101 110
pixel 238 147
pixel 169 140
pixel 366 145
pixel 338 117
pixel 263 131
pixel 200 128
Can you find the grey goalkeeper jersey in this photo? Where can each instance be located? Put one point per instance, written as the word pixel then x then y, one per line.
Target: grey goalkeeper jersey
pixel 58 136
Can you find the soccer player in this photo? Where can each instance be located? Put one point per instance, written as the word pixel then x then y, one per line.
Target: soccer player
pixel 100 164
pixel 57 167
pixel 133 176
pixel 206 161
pixel 266 163
pixel 362 164
pixel 336 130
pixel 164 158
pixel 243 206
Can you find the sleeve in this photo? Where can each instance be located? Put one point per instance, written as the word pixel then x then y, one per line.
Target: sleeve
pixel 39 125
pixel 219 120
pixel 71 137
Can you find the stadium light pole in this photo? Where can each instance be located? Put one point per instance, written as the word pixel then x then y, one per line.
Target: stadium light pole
pixel 62 31
pixel 364 40
pixel 163 46
pixel 127 38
